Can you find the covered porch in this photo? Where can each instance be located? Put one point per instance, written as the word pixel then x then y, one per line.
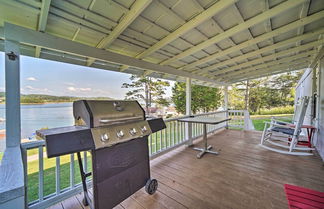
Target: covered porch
pixel 209 43
pixel 243 175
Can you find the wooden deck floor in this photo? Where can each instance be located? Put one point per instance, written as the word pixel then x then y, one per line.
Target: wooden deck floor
pixel 242 176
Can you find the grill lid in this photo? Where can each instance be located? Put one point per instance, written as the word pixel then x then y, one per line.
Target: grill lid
pixel 94 113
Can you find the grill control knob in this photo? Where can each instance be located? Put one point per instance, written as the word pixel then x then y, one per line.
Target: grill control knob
pixel 120 134
pixel 143 129
pixel 104 137
pixel 132 131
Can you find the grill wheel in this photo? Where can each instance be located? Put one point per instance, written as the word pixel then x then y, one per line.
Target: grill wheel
pixel 151 186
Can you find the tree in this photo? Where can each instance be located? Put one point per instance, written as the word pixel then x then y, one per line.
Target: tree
pixel 203 99
pixel 268 92
pixel 147 90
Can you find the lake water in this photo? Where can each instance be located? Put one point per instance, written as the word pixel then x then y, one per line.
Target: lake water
pixel 34 117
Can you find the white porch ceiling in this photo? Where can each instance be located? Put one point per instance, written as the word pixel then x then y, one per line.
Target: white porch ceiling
pixel 213 42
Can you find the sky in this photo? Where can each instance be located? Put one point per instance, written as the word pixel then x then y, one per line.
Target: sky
pixel 39 76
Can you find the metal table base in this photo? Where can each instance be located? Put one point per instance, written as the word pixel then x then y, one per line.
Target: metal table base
pixel 207 148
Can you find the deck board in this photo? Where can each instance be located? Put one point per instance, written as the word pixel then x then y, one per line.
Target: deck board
pixel 243 175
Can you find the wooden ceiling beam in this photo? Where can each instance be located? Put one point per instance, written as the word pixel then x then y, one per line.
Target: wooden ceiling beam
pixel 33 38
pixel 288 68
pixel 194 22
pixel 267 23
pixel 258 39
pixel 42 21
pixel 136 9
pixel 270 69
pixel 236 29
pixel 269 57
pixel 303 13
pixel 319 56
pixel 262 50
pixel 268 64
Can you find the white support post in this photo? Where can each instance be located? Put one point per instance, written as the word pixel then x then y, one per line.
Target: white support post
pixel 12 76
pixel 188 126
pixel 226 103
pixel 246 120
pixel 314 96
pixel 12 180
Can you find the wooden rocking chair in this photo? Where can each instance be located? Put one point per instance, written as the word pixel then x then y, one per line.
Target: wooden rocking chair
pixel 277 134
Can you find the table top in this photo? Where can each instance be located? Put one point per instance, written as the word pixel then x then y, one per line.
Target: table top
pixel 303 126
pixel 206 120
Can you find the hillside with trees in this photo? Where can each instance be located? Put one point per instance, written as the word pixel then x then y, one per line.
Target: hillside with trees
pixel 147 91
pixel 265 93
pixel 203 98
pixel 43 98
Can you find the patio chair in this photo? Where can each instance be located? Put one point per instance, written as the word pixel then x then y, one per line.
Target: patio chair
pixel 277 134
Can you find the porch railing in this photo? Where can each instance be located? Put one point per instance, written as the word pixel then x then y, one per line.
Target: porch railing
pixel 58 178
pixel 51 187
pixel 174 134
pixel 240 119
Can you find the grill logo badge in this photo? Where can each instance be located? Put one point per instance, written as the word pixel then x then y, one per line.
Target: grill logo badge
pixel 118 106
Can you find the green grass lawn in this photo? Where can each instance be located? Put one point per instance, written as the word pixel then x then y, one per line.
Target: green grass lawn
pixel 34 151
pixel 259 122
pixel 49 176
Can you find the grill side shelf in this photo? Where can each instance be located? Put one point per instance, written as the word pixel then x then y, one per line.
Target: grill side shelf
pixel 66 140
pixel 156 124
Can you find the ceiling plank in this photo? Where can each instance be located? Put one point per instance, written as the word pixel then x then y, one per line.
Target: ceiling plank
pixel 262 50
pixel 270 69
pixel 201 9
pixel 270 72
pixel 85 12
pixel 269 57
pixel 133 13
pixel 319 56
pixel 241 20
pixel 77 31
pixel 268 64
pixel 303 13
pixel 258 39
pixel 236 29
pixel 42 21
pixel 34 38
pixel 208 13
pixel 267 23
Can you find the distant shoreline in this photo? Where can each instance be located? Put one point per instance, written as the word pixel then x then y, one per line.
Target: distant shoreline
pixel 39 103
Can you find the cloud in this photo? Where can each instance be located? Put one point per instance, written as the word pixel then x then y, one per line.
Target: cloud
pixel 74 89
pixel 32 90
pixel 31 79
pixel 71 88
pixel 85 89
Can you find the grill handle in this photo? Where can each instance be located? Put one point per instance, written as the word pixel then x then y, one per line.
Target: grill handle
pixel 118 120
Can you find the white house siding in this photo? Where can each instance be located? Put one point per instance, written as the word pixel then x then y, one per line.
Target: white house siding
pixel 306 87
pixel 319 143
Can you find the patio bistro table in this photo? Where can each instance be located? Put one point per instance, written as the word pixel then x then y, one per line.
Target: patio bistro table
pixel 205 120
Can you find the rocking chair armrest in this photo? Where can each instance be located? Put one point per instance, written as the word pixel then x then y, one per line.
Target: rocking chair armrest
pixel 278 125
pixel 273 119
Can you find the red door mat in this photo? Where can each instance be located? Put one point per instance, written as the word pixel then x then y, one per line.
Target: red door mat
pixel 300 197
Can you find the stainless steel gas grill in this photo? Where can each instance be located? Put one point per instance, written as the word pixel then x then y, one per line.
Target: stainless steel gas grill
pixel 116 133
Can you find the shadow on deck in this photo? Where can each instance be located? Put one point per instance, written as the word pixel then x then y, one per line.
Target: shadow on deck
pixel 243 175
